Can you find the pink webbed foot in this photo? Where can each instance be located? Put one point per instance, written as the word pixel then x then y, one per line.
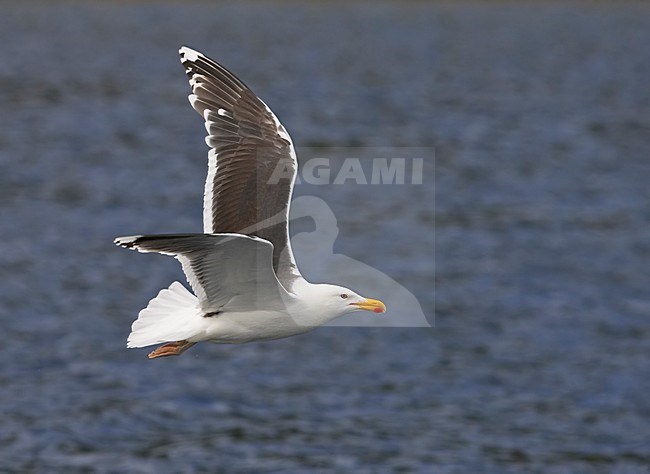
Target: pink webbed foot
pixel 171 349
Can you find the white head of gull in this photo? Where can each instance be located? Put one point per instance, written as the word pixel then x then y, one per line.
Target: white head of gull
pixel 246 284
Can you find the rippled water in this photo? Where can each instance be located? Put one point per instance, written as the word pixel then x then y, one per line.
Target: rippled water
pixel 538 362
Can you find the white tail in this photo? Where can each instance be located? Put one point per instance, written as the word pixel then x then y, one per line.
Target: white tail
pixel 173 315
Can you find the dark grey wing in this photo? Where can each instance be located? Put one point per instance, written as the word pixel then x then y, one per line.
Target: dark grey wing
pixel 228 272
pixel 252 162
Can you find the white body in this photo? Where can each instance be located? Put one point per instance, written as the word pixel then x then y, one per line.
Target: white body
pixel 175 315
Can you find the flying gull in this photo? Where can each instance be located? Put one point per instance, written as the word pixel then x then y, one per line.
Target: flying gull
pixel 246 284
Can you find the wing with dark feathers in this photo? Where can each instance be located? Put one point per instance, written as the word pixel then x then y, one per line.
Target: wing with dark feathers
pixel 252 162
pixel 228 272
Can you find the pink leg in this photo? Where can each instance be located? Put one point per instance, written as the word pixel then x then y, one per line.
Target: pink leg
pixel 171 349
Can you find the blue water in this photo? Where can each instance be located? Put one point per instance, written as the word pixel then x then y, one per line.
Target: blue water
pixel 539 115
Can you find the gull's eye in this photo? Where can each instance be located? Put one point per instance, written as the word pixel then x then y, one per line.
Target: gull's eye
pixel 344 296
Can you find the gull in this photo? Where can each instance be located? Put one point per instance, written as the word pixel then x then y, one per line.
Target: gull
pixel 245 283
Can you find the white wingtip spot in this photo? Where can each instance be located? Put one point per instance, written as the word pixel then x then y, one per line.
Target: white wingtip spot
pixel 188 54
pixel 126 240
